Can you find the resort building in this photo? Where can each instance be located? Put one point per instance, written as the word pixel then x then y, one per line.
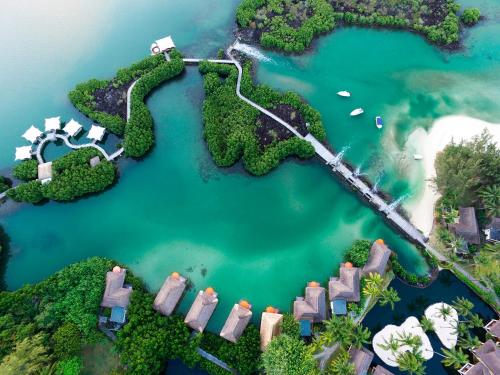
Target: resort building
pixel 346 286
pixel 237 321
pixel 170 293
pixel 116 295
pixel 493 328
pixel 377 261
pixel 23 153
pixel 488 361
pixel 270 326
pixel 45 172
pixel 466 227
pixel 52 124
pixel 379 370
pixel 162 45
pixel 95 161
pixel 72 128
pixel 202 309
pixel 313 306
pixel 362 359
pixel 96 133
pixel 33 134
pixel 492 230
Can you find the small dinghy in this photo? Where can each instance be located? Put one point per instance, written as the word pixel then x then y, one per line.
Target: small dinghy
pixel 345 94
pixel 418 157
pixel 357 112
pixel 379 122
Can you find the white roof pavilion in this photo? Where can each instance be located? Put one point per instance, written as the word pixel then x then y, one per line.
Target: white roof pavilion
pixel 72 128
pixel 162 45
pixel 23 153
pixel 52 123
pixel 96 133
pixel 32 134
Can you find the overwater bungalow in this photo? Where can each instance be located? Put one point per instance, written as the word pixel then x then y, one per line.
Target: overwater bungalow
pixel 170 293
pixel 45 172
pixel 202 309
pixel 377 261
pixel 379 370
pixel 362 359
pixel 270 326
pixel 96 133
pixel 33 134
pixel 237 321
pixel 466 227
pixel 116 295
pixel 72 128
pixel 493 328
pixel 313 306
pixel 346 286
pixel 162 45
pixel 52 124
pixel 23 153
pixel 488 360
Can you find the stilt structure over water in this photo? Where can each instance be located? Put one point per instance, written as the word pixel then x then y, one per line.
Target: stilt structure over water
pixel 170 293
pixel 238 319
pixel 202 309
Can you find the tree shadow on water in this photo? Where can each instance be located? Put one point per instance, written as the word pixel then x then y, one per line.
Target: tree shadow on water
pixel 4 257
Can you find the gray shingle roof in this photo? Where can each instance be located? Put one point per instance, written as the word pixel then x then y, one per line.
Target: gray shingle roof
pixel 467 227
pixel 489 355
pixel 313 306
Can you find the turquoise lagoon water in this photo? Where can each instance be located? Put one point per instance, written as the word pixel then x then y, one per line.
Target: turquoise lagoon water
pixel 255 238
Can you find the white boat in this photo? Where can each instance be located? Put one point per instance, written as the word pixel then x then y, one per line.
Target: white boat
pixel 418 157
pixel 379 122
pixel 357 112
pixel 345 94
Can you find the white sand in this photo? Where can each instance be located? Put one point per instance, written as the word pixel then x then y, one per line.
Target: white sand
pixel 410 325
pixel 428 144
pixel 445 327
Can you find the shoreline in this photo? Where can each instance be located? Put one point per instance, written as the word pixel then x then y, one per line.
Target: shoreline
pixel 429 144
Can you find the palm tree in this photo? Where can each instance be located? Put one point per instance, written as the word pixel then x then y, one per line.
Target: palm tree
pixel 475 321
pixel 463 306
pixel 490 196
pixel 455 358
pixel 373 285
pixel 412 363
pixel 360 337
pixel 445 311
pixel 389 296
pixel 392 344
pixel 341 365
pixel 469 342
pixel 426 324
pixel 409 339
pixel 339 329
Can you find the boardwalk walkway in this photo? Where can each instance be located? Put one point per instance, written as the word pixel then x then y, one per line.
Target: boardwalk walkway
pixel 333 160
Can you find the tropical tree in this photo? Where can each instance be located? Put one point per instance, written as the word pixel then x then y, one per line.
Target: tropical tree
pixel 426 324
pixel 490 196
pixel 463 306
pixel 389 296
pixel 487 263
pixel 358 253
pixel 288 355
pixel 455 358
pixel 409 339
pixel 411 362
pixel 445 311
pixel 341 365
pixel 474 321
pixel 360 337
pixel 29 357
pixel 471 16
pixel 468 342
pixel 373 285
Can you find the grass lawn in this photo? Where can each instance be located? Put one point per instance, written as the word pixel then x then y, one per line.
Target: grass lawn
pixel 99 358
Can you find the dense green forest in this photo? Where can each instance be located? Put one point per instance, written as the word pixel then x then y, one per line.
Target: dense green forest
pixel 290 25
pixel 231 125
pixel 72 177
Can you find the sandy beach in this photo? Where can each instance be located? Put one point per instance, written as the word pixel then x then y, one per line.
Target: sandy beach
pixel 428 144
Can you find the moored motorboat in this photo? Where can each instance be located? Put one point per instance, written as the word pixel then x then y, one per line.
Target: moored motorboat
pixel 379 122
pixel 357 111
pixel 345 94
pixel 418 157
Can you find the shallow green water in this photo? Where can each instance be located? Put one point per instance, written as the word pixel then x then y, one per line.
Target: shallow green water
pixel 255 238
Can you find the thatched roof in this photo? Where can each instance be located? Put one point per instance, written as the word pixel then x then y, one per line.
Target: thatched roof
pixel 489 355
pixel 379 370
pixel 467 227
pixel 115 294
pixel 270 326
pixel 236 323
pixel 377 261
pixel 346 285
pixel 493 327
pixel 313 306
pixel 477 369
pixel 170 294
pixel 201 310
pixel 362 358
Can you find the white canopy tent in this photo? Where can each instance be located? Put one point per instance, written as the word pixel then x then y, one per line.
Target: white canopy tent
pixel 96 133
pixel 162 45
pixel 32 134
pixel 52 124
pixel 23 153
pixel 72 128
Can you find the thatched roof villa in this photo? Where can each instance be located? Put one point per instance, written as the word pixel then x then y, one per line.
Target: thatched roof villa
pixel 114 293
pixel 379 370
pixel 313 306
pixel 488 360
pixel 467 226
pixel 202 309
pixel 362 359
pixel 170 293
pixel 237 321
pixel 270 326
pixel 377 261
pixel 346 286
pixel 493 328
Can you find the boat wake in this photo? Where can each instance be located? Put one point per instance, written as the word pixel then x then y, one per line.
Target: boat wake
pixel 252 52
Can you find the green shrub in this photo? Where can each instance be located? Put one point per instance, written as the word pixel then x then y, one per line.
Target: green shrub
pixel 29 192
pixel 290 326
pixel 72 366
pixel 471 16
pixel 358 253
pixel 67 341
pixel 26 170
